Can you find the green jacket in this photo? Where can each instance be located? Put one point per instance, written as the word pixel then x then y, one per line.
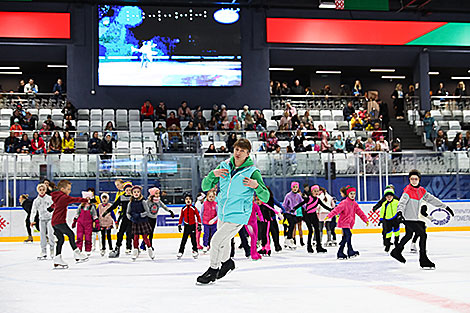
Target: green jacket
pixel 234 200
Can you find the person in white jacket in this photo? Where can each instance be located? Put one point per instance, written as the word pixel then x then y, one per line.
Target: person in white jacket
pixel 41 204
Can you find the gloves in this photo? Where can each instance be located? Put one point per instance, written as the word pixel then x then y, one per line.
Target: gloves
pixel 400 217
pixel 50 209
pixel 374 209
pixel 143 214
pixel 199 227
pixel 424 210
pixel 448 209
pixel 367 224
pixel 180 228
pixel 380 222
pixel 104 214
pixel 74 223
pixel 172 214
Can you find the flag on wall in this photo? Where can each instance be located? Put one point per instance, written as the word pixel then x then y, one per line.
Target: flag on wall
pixel 365 5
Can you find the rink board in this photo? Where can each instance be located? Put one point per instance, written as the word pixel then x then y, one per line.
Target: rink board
pixel 12 221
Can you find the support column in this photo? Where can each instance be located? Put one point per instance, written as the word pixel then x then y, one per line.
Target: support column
pixel 421 76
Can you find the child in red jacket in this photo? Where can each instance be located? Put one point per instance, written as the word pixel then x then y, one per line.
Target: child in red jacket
pixel 347 210
pixel 190 215
pixel 61 200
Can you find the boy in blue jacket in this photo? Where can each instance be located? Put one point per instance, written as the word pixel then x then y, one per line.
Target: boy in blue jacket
pixel 238 180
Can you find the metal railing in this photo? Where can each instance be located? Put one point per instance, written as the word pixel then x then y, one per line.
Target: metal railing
pixel 332 102
pixel 450 102
pixel 9 100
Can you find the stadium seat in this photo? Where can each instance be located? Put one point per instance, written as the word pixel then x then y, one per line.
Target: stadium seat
pixel 343 125
pixel 4 125
pixel 121 119
pixel 136 147
pixel 134 126
pixel 108 115
pixel 5 114
pixel 134 115
pixel 446 115
pixel 457 115
pixel 271 125
pixel 268 114
pixel 207 114
pixel 337 115
pixel 454 125
pixel 123 136
pixel 315 114
pixel 83 114
pixel 325 115
pixel 466 116
pixel 150 147
pixel 96 115
pixel 147 126
pixel 148 136
pixel 57 114
pixel 122 147
pixel 96 125
pixel 436 114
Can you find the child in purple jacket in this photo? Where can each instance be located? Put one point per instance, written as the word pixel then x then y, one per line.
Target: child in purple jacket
pixel 291 199
pixel 347 210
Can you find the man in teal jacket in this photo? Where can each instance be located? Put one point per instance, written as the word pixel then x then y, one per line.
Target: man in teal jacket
pixel 238 180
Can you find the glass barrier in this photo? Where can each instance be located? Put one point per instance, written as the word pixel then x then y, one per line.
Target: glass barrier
pixel 9 100
pixel 450 102
pixel 447 173
pixel 332 102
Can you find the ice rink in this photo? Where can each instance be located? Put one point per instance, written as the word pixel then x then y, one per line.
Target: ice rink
pixel 289 281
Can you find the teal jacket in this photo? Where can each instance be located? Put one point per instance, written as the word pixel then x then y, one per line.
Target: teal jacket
pixel 235 201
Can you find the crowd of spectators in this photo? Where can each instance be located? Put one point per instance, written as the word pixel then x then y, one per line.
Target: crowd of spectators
pixel 461 142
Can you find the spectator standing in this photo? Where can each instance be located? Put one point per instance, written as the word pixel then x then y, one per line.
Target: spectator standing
pixel 460 90
pixel 285 90
pixel 94 144
pixel 428 123
pixel 146 111
pixel 232 138
pixel 326 90
pixel 31 87
pixel 297 89
pixel 398 101
pixel 55 143
pixel 20 88
pixel 58 88
pixel 348 111
pixel 357 89
pixel 441 91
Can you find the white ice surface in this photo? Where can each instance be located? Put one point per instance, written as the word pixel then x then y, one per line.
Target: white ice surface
pixel 290 281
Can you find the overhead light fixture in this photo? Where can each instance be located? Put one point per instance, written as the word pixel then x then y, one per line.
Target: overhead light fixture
pixel 9 67
pixel 393 77
pixel 58 65
pixel 281 69
pixel 382 70
pixel 433 73
pixel 11 73
pixel 328 72
pixel 460 77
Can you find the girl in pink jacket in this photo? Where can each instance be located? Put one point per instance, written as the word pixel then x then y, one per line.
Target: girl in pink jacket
pixel 209 219
pixel 347 210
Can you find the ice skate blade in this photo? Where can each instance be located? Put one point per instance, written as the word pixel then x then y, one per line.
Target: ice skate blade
pixel 208 284
pixel 428 268
pixel 42 258
pixel 81 260
pixel 60 267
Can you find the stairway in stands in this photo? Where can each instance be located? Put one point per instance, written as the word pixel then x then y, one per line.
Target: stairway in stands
pixel 409 140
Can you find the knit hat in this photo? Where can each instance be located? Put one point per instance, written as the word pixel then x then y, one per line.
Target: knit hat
pixel 389 192
pixel 40 186
pixel 104 195
pixel 390 186
pixel 153 191
pixel 294 183
pixel 314 187
pixel 137 187
pixel 414 172
pixel 127 184
pixel 350 189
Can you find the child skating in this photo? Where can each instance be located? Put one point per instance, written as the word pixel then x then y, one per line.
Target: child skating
pixel 209 219
pixel 154 203
pixel 409 212
pixel 347 210
pixel 62 199
pixel 199 203
pixel 388 218
pixel 190 217
pixel 85 220
pixel 252 229
pixel 238 180
pixel 291 200
pixel 40 205
pixel 106 223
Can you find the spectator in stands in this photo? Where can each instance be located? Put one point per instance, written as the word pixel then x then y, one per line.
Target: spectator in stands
pixel 370 144
pixel 348 111
pixel 31 87
pixel 160 111
pixel 261 123
pixel 340 144
pixel 395 149
pixel 68 143
pixel 458 140
pixel 349 145
pixel 377 132
pixel 213 124
pixel 44 131
pixel 223 112
pixel 460 90
pixel 146 111
pixel 225 124
pixel 297 89
pixel 442 143
pixel 428 123
pixel 286 120
pixel 244 112
pixel 200 119
pixel 411 91
pixel 249 122
pixel 357 89
pixel 234 124
pixel 174 135
pixel 308 92
pixel 299 141
pixel 441 91
pixel 466 140
pixel 211 149
pixel 277 88
pixel 159 129
pixel 16 126
pixel 55 143
pixel 398 101
pixel 20 88
pixel 232 138
pixel 373 107
pixel 326 90
pixel 222 149
pixel 215 112
pixel 383 143
pixel 358 146
pixel 69 111
pixel 190 127
pixel 69 126
pixel 325 146
pixel 16 116
pixel 29 122
pixel 284 134
pixel 356 122
pixel 109 128
pixel 285 90
pixel 106 146
pixel 184 112
pixel 38 146
pixel 24 145
pixel 271 141
pixel 201 127
pixel 49 122
pixel 58 88
pixel 344 90
pixel 291 109
pixel 172 120
pixel 306 118
pixel 11 143
pixel 367 123
pixel 94 144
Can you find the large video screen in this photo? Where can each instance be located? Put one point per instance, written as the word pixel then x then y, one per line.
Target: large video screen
pixel 156 46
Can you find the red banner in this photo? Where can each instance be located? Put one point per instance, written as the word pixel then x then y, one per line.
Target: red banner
pixel 34 25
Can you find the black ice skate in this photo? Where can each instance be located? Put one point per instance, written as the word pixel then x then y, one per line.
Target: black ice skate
pixel 114 254
pixel 302 242
pixel 396 254
pixel 425 263
pixel 341 256
pixel 226 268
pixel 309 249
pixel 320 249
pixel 353 254
pixel 208 277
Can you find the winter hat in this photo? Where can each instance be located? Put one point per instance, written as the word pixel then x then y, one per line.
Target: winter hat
pixel 314 187
pixel 137 187
pixel 126 185
pixel 104 195
pixel 16 120
pixel 294 183
pixel 187 194
pixel 390 186
pixel 200 197
pixel 153 191
pixel 389 192
pixel 414 172
pixel 350 189
pixel 40 186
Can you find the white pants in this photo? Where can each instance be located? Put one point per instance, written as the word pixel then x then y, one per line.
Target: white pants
pixel 221 242
pixel 46 231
